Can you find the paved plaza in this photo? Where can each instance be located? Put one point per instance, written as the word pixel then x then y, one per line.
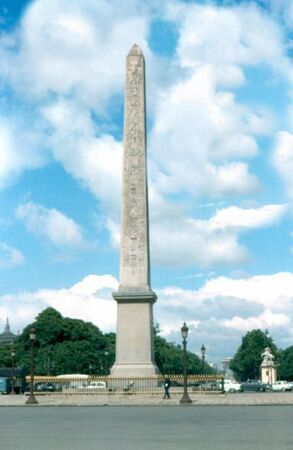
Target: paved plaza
pixel 245 399
pixel 147 428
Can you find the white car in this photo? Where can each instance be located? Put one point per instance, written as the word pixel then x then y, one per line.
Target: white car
pixel 97 385
pixel 232 386
pixel 282 386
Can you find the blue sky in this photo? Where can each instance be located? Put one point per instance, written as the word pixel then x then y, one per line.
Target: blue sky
pixel 220 157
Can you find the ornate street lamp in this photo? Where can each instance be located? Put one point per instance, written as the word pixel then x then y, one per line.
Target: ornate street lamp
pixel 32 399
pixel 184 333
pixel 203 352
pixel 12 392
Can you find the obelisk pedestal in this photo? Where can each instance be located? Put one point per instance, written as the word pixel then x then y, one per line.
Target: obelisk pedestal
pixel 134 340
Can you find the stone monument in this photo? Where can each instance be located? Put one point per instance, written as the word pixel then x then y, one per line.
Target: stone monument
pixel 135 299
pixel 268 367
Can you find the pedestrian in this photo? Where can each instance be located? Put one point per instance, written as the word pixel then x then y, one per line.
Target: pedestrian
pixel 167 384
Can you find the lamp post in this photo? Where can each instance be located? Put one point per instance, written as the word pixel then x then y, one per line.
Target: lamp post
pixel 185 397
pixel 12 392
pixel 32 399
pixel 203 352
pixel 106 354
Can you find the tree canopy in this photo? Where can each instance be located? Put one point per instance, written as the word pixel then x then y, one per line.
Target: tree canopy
pixel 65 345
pixel 285 368
pixel 168 357
pixel 247 360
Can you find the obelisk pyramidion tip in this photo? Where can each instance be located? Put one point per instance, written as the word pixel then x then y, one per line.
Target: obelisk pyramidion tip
pixel 135 51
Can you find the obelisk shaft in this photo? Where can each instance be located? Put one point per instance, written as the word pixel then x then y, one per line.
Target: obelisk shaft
pixel 134 262
pixel 134 339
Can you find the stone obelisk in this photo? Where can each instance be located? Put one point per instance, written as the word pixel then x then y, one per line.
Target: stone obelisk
pixel 134 340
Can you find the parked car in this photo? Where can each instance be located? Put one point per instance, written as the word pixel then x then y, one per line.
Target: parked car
pixel 97 385
pixel 19 378
pixel 282 386
pixel 45 387
pixel 255 386
pixel 5 386
pixel 232 386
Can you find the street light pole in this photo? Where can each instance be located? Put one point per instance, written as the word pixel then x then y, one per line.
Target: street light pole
pixel 12 392
pixel 203 351
pixel 184 333
pixel 32 399
pixel 106 354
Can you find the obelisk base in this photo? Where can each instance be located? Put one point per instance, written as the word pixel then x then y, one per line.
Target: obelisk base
pixel 134 371
pixel 134 344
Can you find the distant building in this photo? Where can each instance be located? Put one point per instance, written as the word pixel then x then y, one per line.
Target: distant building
pixel 7 337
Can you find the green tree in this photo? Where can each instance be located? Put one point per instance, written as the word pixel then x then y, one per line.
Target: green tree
pixel 64 345
pixel 5 355
pixel 168 357
pixel 285 369
pixel 247 360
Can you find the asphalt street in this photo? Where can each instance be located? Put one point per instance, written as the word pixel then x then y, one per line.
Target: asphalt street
pixel 146 428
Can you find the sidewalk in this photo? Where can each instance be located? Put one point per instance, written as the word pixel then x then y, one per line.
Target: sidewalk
pixel 245 399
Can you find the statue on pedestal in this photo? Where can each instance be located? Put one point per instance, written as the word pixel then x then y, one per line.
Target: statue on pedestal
pixel 268 367
pixel 268 357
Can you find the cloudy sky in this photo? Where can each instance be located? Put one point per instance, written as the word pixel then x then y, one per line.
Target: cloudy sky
pixel 220 159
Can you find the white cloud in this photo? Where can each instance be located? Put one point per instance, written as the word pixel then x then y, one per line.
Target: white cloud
pixel 59 229
pixel 95 161
pixel 188 242
pixel 19 151
pixel 284 8
pixel 283 160
pixel 74 53
pixel 70 51
pixel 89 300
pixel 10 256
pixel 248 218
pixel 202 133
pixel 272 291
pixel 179 240
pixel 174 326
pixel 266 320
pixel 229 36
pixel 200 136
pixel 185 241
pixel 69 48
pixel 228 307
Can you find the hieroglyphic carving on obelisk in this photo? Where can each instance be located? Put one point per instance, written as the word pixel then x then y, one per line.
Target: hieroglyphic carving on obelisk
pixel 134 266
pixel 134 340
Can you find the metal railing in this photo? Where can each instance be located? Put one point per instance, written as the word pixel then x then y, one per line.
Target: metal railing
pixel 101 385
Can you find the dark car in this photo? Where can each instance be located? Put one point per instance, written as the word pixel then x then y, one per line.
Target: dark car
pixel 255 386
pixel 45 387
pixel 19 378
pixel 5 386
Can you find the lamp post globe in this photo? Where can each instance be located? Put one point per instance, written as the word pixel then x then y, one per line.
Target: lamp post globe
pixel 185 397
pixel 184 331
pixel 32 399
